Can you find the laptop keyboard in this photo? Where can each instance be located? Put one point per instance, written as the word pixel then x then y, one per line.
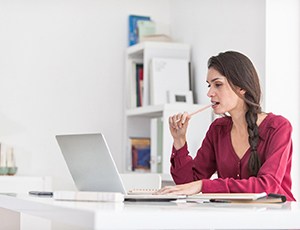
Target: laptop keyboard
pixel 141 191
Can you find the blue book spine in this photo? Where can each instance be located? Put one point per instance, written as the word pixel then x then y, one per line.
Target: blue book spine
pixel 133 30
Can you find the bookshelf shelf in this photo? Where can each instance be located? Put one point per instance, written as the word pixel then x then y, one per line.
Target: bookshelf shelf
pixel 157 110
pixel 137 51
pixel 149 111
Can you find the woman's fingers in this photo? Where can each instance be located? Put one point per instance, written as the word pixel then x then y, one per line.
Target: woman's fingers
pixel 178 120
pixel 184 118
pixel 168 189
pixel 183 189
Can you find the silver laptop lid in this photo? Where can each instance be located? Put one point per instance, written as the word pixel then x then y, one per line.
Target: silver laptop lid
pixel 90 162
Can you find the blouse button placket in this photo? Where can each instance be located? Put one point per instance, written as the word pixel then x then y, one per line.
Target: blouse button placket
pixel 239 169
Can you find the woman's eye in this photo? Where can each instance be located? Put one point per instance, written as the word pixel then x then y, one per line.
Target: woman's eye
pixel 216 85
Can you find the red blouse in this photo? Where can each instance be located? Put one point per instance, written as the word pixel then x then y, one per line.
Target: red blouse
pixel 217 155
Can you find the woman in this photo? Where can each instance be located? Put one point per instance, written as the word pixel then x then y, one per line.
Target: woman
pixel 250 150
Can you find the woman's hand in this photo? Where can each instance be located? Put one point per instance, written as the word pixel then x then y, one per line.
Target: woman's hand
pixel 178 124
pixel 182 189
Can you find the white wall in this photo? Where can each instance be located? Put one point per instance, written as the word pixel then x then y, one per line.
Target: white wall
pixel 283 70
pixel 61 71
pixel 213 26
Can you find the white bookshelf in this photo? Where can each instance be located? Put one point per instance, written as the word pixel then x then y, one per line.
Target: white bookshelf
pixel 138 119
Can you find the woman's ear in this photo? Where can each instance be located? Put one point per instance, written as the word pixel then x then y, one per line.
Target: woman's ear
pixel 242 91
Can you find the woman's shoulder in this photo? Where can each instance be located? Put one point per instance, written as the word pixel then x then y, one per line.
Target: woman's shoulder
pixel 219 127
pixel 276 121
pixel 221 123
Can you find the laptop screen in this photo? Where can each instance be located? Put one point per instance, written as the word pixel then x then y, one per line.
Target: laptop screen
pixel 90 162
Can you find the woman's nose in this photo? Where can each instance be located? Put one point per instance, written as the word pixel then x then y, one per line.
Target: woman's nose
pixel 210 92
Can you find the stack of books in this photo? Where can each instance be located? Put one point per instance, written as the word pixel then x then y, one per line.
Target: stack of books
pixel 142 28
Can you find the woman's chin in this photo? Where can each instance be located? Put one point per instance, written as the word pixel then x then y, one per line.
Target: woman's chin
pixel 218 112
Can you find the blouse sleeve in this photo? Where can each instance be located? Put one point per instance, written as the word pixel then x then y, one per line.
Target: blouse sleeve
pixel 274 174
pixel 185 169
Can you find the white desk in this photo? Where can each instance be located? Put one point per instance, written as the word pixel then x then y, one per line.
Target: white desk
pixel 162 215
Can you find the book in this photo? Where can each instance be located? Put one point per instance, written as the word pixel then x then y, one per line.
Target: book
pixel 133 29
pixel 136 85
pixel 237 198
pixel 140 152
pixel 132 87
pixel 139 84
pixel 88 196
pixel 156 126
pixel 156 38
pixel 145 28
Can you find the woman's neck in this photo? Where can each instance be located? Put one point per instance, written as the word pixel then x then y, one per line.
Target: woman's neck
pixel 239 122
pixel 238 117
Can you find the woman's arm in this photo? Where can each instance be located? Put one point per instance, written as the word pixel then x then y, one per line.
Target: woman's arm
pixel 274 174
pixel 185 169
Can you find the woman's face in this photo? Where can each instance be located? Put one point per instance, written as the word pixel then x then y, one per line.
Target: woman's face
pixel 222 96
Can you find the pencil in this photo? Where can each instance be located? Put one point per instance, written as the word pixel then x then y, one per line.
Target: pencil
pixel 197 111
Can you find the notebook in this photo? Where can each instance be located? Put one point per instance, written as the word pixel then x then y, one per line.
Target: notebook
pixel 227 196
pixel 93 168
pixel 237 198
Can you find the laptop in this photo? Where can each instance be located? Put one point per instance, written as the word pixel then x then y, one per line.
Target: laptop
pixel 93 168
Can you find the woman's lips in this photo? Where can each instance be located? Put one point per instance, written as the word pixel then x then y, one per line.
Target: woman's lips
pixel 215 104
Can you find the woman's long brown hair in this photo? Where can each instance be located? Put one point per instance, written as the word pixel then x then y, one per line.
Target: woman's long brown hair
pixel 240 72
